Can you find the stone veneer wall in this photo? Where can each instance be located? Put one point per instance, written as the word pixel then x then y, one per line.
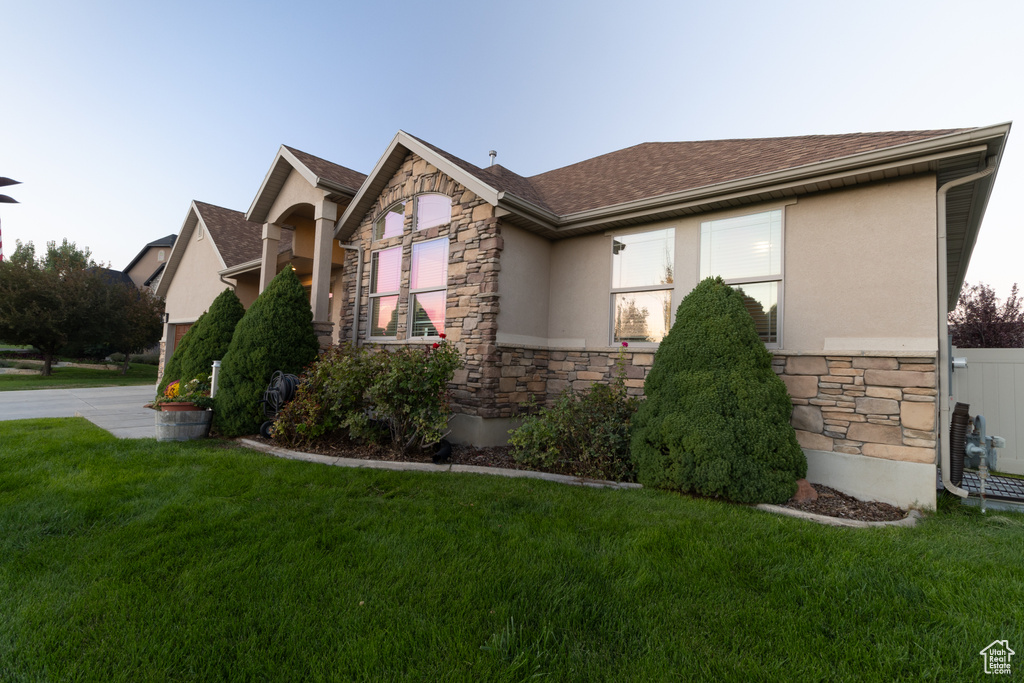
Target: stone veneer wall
pixel 883 407
pixel 474 249
pixel 525 371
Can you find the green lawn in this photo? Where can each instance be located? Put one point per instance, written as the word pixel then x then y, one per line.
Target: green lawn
pixel 73 378
pixel 135 561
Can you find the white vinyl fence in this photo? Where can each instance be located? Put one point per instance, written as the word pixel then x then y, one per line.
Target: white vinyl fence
pixel 993 385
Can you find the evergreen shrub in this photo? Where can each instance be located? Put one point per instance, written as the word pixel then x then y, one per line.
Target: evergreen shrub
pixel 716 420
pixel 206 341
pixel 276 333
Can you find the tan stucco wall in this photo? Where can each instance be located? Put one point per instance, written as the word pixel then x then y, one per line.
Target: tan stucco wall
pixel 295 191
pixel 581 277
pixel 523 284
pixel 247 287
pixel 141 271
pixel 859 271
pixel 860 265
pixel 196 283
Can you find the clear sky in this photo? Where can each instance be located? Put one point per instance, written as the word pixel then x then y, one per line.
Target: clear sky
pixel 115 115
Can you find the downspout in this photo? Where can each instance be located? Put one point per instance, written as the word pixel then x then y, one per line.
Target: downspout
pixel 944 391
pixel 359 288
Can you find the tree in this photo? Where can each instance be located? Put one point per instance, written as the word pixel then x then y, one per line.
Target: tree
pixel 47 309
pixel 276 333
pixel 716 420
pixel 136 320
pixel 66 258
pixel 206 341
pixel 979 322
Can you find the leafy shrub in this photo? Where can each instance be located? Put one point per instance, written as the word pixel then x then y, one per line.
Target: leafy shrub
pixel 587 433
pixel 276 333
pixel 206 341
pixel 409 392
pixel 716 417
pixel 404 390
pixel 331 396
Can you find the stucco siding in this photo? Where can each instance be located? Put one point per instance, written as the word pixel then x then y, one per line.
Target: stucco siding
pixel 860 266
pixel 196 283
pixel 524 285
pixel 295 192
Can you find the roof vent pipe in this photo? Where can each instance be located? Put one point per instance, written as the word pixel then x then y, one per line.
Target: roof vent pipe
pixel 494 155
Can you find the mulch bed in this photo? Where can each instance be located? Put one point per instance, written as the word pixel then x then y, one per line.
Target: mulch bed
pixel 830 502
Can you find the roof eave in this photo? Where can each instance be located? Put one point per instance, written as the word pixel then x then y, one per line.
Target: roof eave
pixel 240 268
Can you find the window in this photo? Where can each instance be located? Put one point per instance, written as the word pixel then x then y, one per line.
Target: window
pixel 642 279
pixel 746 252
pixel 432 210
pixel 160 256
pixel 385 282
pixel 428 282
pixel 391 223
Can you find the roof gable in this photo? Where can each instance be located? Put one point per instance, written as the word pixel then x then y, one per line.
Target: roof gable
pixel 336 181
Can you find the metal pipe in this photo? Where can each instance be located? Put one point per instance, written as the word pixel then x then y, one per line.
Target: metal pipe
pixel 943 321
pixel 214 379
pixel 359 288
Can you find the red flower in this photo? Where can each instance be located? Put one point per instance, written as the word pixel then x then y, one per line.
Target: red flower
pixel 442 335
pixel 436 345
pixel 625 343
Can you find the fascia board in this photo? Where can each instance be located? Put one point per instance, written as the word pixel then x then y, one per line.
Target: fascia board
pixel 404 143
pixel 178 250
pixel 255 264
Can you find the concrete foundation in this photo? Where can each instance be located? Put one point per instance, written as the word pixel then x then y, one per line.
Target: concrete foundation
pixel 904 484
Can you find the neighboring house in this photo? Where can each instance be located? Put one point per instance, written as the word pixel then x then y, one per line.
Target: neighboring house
pixel 147 266
pixel 850 250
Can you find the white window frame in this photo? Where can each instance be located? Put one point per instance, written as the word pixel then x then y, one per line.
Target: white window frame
pixel 416 211
pixel 671 287
pixel 383 215
pixel 756 280
pixel 377 295
pixel 423 290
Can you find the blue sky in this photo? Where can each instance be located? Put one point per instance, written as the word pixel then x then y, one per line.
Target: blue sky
pixel 115 115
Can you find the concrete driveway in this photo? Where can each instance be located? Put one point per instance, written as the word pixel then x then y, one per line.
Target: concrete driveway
pixel 119 410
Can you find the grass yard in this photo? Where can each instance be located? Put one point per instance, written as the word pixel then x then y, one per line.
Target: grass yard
pixel 74 378
pixel 133 560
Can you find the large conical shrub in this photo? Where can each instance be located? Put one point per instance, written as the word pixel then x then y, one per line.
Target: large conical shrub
pixel 276 333
pixel 716 420
pixel 206 341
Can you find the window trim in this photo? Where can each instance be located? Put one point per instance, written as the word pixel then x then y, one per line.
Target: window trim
pixel 383 215
pixel 670 287
pixel 780 278
pixel 424 290
pixel 371 295
pixel 416 211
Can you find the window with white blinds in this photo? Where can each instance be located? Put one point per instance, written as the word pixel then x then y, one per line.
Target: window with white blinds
pixel 428 283
pixel 746 252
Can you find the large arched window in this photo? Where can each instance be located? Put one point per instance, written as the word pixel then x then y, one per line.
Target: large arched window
pixel 391 223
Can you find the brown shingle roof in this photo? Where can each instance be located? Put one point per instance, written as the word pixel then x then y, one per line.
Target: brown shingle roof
pixel 657 168
pixel 237 239
pixel 327 170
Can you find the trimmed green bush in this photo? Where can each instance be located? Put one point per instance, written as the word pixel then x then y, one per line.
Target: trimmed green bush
pixel 206 341
pixel 276 333
pixel 716 418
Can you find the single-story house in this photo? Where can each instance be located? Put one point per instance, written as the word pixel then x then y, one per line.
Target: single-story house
pixel 849 248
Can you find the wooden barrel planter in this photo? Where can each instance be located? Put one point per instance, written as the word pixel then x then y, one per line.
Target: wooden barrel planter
pixel 182 425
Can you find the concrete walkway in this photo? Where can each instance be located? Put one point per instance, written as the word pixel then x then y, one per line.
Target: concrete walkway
pixel 119 410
